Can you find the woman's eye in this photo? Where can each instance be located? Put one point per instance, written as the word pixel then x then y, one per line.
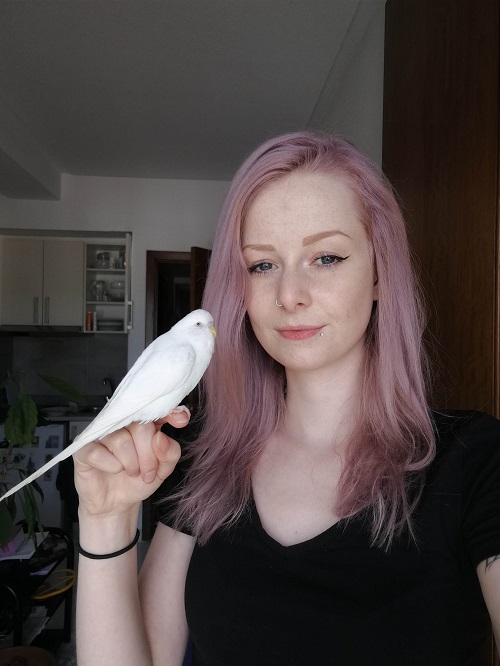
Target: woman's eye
pixel 262 267
pixel 329 259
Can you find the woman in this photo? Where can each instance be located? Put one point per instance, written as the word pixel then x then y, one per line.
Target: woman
pixel 327 516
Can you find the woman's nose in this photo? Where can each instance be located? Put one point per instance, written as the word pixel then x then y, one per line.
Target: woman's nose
pixel 293 291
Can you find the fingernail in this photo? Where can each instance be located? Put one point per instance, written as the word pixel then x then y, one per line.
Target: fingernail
pixel 179 410
pixel 180 415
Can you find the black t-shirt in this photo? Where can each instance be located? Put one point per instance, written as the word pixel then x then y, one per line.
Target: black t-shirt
pixel 335 600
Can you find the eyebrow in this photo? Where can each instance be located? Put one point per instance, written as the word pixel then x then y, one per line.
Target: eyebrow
pixel 308 240
pixel 259 248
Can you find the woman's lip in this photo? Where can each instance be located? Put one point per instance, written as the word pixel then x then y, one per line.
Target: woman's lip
pixel 299 332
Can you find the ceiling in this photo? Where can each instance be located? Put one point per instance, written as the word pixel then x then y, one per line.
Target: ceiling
pixel 160 89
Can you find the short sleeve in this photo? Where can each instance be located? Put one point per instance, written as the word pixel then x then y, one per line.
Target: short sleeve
pixel 481 487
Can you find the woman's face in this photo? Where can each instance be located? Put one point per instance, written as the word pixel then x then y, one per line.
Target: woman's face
pixel 306 248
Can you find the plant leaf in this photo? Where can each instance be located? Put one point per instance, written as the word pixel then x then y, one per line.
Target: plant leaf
pixel 30 509
pixel 64 388
pixel 6 525
pixel 12 507
pixel 24 472
pixel 21 421
pixel 36 486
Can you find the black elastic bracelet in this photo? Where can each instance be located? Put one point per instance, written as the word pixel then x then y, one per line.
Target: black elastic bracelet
pixel 106 556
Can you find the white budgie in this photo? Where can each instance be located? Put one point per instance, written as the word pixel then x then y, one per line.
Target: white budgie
pixel 167 370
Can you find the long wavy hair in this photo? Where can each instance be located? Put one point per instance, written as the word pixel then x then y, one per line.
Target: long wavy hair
pixel 243 388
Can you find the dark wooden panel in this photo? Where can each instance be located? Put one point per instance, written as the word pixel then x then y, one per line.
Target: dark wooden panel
pixel 154 261
pixel 200 258
pixel 440 150
pixel 168 265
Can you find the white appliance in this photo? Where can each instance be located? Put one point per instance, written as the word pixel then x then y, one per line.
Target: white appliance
pixel 48 442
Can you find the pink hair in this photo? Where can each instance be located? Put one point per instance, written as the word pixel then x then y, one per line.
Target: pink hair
pixel 243 388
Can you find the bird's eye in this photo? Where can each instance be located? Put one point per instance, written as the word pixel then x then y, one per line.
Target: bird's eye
pixel 198 323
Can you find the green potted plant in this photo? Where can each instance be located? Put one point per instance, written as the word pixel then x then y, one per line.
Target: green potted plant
pixel 20 423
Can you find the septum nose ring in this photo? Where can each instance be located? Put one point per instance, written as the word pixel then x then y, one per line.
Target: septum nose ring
pixel 280 305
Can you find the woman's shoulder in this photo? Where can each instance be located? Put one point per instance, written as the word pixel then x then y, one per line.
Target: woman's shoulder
pixel 465 425
pixel 466 475
pixel 473 435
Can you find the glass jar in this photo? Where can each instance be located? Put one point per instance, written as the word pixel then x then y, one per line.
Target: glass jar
pixel 122 261
pixel 98 290
pixel 103 260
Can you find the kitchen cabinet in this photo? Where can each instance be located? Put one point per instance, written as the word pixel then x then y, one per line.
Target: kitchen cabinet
pixel 107 286
pixel 41 282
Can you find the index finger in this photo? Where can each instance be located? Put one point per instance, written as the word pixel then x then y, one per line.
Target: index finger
pixel 145 438
pixel 177 417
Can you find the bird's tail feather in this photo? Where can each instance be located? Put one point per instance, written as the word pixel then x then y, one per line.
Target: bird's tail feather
pixel 90 434
pixel 77 444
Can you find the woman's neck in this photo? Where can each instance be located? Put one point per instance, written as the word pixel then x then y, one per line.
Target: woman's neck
pixel 321 409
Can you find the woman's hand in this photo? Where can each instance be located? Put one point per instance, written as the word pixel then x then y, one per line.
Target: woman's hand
pixel 126 467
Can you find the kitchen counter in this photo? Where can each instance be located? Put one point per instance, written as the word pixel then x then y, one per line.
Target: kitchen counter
pixel 66 418
pixel 65 415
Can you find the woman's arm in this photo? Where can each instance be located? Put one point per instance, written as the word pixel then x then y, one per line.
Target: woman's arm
pixel 488 573
pixel 109 624
pixel 112 478
pixel 161 589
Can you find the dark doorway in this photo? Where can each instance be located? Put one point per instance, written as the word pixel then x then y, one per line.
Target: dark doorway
pixel 174 287
pixel 165 271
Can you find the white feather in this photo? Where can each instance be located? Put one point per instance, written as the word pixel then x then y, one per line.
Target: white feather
pixel 167 370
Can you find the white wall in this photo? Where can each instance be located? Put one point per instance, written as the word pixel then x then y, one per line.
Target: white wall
pixel 161 214
pixel 358 111
pixel 351 103
pixel 176 214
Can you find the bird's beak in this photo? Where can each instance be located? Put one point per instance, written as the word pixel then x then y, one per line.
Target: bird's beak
pixel 214 332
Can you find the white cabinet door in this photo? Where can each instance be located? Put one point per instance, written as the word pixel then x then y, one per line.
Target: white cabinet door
pixel 42 282
pixel 22 281
pixel 63 282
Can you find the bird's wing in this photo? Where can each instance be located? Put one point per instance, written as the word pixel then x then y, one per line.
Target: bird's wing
pixel 162 374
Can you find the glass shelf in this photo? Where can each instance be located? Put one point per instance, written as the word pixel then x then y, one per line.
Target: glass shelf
pixel 103 316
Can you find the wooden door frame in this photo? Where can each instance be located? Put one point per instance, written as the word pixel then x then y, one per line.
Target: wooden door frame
pixel 154 258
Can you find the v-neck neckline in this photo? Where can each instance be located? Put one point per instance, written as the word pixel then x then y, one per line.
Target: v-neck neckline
pixel 315 542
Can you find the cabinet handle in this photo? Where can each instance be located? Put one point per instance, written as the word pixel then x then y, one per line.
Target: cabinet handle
pixel 35 309
pixel 46 310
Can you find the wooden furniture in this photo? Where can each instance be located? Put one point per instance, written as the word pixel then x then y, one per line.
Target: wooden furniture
pixel 20 579
pixel 41 282
pixel 441 152
pixel 51 282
